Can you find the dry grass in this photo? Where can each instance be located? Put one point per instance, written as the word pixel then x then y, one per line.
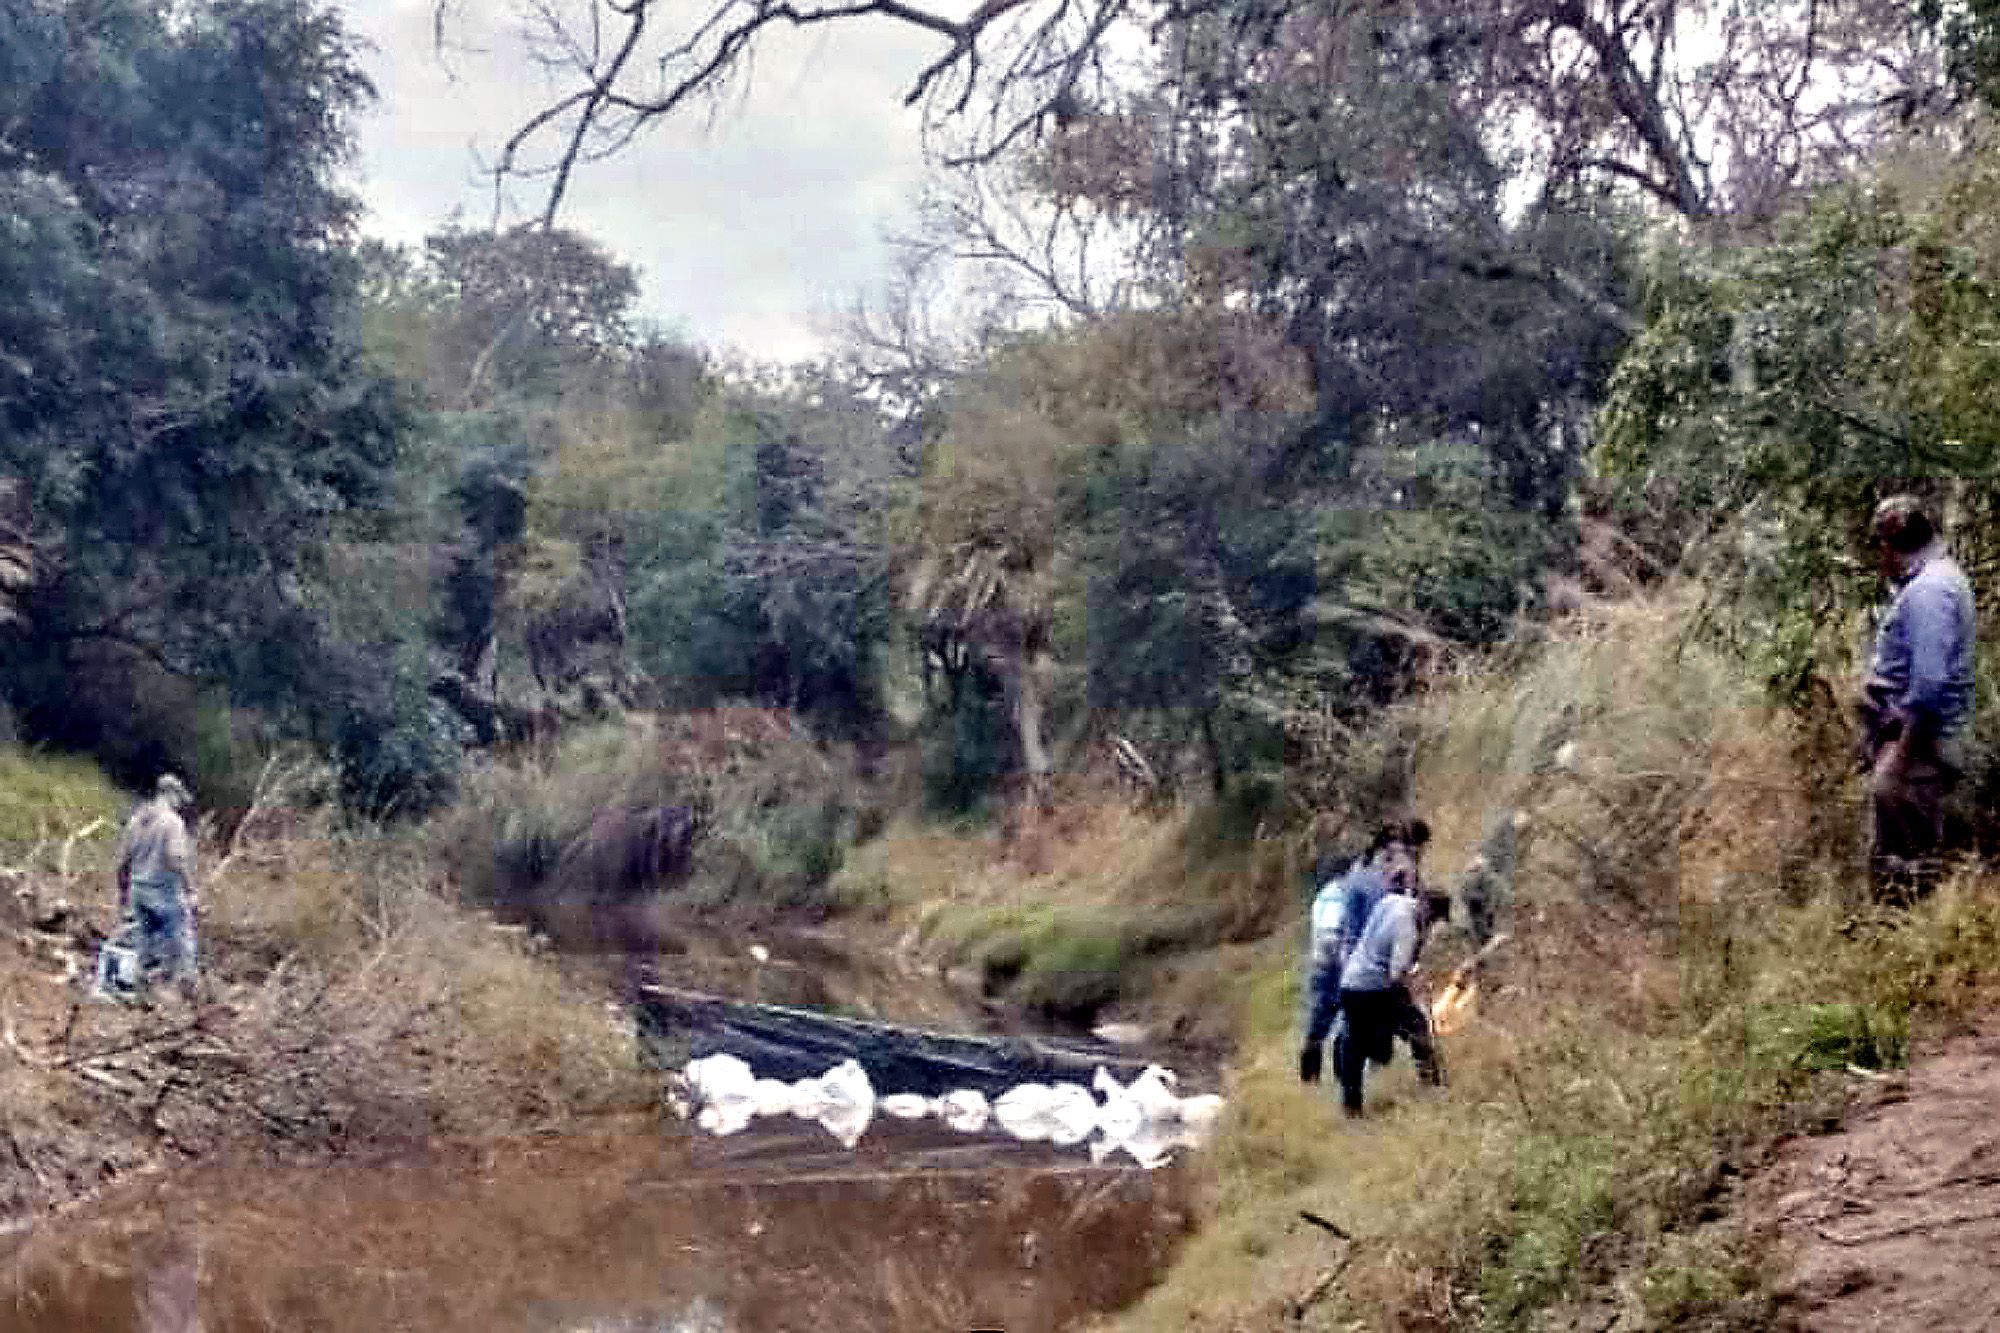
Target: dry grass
pixel 355 952
pixel 1687 979
pixel 357 1006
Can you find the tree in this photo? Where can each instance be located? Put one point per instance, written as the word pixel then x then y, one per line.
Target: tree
pixel 761 560
pixel 522 306
pixel 183 390
pixel 1780 390
pixel 1701 106
pixel 1084 492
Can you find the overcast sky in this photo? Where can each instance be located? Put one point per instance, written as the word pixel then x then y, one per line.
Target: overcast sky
pixel 752 232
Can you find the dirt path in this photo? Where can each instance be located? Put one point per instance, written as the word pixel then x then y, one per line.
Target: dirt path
pixel 1894 1223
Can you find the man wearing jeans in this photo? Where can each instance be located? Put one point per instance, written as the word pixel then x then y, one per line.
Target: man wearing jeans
pixel 156 886
pixel 1916 705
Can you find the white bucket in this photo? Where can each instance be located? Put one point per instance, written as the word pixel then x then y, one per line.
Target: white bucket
pixel 117 974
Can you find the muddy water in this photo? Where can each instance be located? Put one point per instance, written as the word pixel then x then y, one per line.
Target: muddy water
pixel 638 1228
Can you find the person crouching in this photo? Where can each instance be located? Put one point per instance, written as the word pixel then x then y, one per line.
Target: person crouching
pixel 1375 994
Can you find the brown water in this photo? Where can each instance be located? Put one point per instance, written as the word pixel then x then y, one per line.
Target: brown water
pixel 634 1229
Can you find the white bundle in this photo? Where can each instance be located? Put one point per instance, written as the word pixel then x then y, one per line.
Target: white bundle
pixel 1145 1119
pixel 963 1109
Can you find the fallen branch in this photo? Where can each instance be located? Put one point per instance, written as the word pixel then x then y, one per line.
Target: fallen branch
pixel 144 1041
pixel 20 1155
pixel 102 1079
pixel 1295 1310
pixel 69 845
pixel 1324 1224
pixel 13 1040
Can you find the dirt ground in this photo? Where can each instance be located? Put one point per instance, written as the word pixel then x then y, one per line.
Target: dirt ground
pixel 1894 1222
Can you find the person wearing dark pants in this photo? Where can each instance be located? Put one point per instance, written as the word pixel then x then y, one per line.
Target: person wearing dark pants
pixel 1916 705
pixel 1375 997
pixel 1339 912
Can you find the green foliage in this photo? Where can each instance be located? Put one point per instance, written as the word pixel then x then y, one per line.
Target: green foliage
pixel 516 310
pixel 1562 1197
pixel 48 797
pixel 761 570
pixel 1063 964
pixel 184 388
pixel 399 749
pixel 778 812
pixel 1715 1281
pixel 1779 389
pixel 1971 31
pixel 1814 1037
pixel 967 746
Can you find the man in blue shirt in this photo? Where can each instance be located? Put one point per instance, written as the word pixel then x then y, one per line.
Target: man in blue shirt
pixel 1916 704
pixel 1339 912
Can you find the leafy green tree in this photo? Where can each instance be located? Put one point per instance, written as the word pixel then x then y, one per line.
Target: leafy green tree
pixel 183 389
pixel 761 554
pixel 521 308
pixel 1780 389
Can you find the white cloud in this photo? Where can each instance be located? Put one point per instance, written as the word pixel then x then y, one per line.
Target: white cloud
pixel 747 227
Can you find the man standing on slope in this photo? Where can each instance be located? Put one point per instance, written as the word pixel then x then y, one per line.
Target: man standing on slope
pixel 1916 704
pixel 1375 995
pixel 156 886
pixel 1339 912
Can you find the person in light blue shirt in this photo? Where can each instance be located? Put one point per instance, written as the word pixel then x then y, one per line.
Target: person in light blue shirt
pixel 1339 911
pixel 1375 999
pixel 1916 704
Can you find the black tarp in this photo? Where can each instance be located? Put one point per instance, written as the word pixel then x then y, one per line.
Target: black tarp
pixel 790 1043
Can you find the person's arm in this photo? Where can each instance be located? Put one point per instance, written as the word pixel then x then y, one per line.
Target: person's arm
pixel 181 852
pixel 1406 934
pixel 1354 908
pixel 1328 920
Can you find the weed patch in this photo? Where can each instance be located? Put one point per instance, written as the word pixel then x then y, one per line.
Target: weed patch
pixel 46 797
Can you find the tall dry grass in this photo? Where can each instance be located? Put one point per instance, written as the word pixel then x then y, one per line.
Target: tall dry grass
pixel 1689 974
pixel 348 957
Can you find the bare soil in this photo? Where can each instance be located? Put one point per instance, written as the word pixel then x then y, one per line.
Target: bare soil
pixel 1894 1222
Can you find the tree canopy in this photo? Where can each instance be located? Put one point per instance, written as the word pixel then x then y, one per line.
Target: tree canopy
pixel 183 389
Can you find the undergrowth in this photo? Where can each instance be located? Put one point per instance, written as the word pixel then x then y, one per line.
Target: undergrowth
pixel 466 1023
pixel 778 811
pixel 1084 906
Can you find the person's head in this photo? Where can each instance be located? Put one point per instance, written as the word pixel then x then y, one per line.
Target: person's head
pixel 1399 847
pixel 1900 528
pixel 1412 835
pixel 173 791
pixel 1326 830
